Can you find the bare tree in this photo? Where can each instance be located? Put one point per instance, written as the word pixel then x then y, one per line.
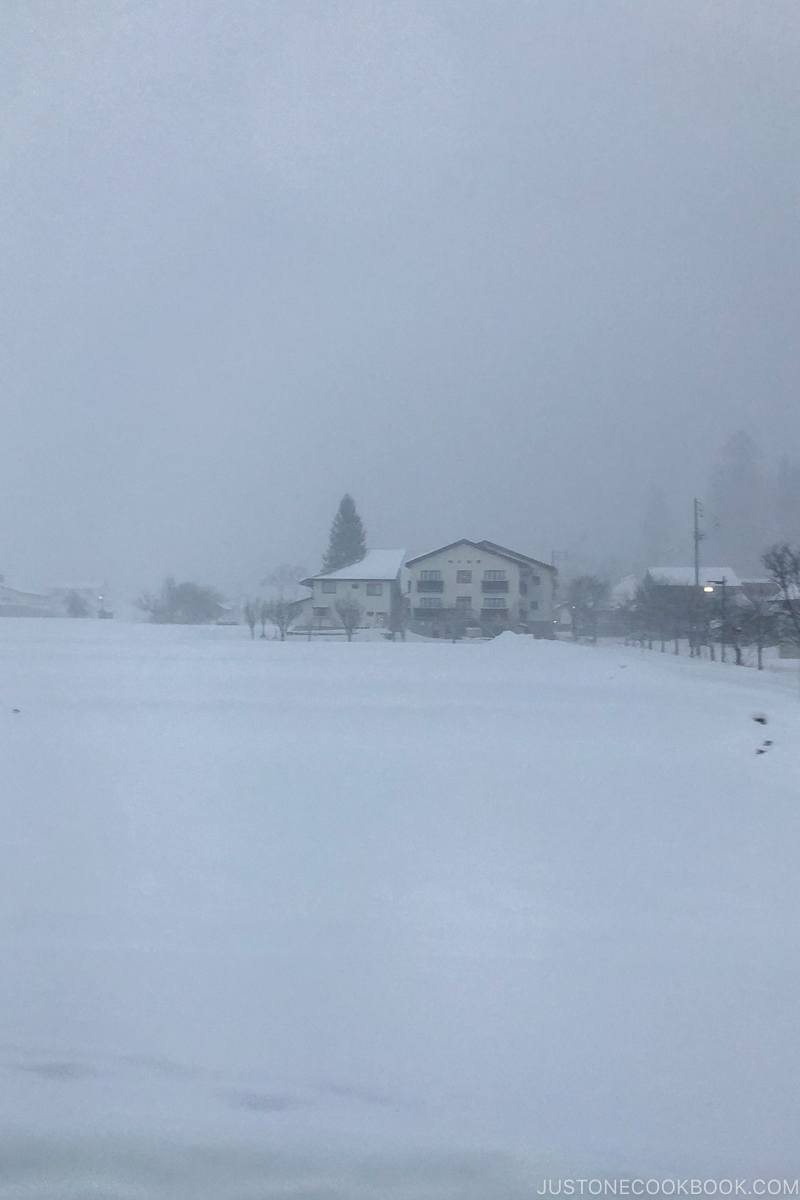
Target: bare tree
pixel 398 613
pixel 285 590
pixel 587 593
pixel 648 613
pixel 783 564
pixel 281 612
pixel 630 621
pixel 676 605
pixel 182 604
pixel 264 617
pixel 349 613
pixel 759 622
pixel 250 611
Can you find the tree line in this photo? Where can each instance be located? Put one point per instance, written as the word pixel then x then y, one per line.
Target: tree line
pixel 347 544
pixel 763 614
pixel 190 603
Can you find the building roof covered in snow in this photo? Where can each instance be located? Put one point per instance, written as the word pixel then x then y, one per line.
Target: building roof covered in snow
pixel 684 576
pixel 490 547
pixel 376 565
pixel 83 589
pixel 10 594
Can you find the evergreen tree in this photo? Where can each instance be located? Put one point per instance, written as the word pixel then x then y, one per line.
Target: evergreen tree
pixel 348 538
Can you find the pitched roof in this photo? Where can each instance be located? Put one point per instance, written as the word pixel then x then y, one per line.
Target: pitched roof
pixel 684 576
pixel 498 549
pixel 11 593
pixel 439 549
pixel 489 547
pixel 376 564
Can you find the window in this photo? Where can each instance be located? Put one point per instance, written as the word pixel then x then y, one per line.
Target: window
pixel 494 575
pixel 430 602
pixel 374 589
pixel 463 601
pixel 536 579
pixel 534 604
pixel 329 585
pixel 463 576
pixel 321 612
pixel 355 585
pixel 430 574
pixel 494 602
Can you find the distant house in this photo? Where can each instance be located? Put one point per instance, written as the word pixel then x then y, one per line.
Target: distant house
pixel 373 584
pixel 684 576
pixel 765 595
pixel 482 584
pixel 16 602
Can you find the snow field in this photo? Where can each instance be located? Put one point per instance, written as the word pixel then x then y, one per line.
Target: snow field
pixel 390 919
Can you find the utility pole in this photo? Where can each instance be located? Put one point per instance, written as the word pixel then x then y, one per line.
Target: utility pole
pixel 698 536
pixel 722 583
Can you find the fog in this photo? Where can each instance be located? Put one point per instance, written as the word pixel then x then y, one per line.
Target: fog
pixel 494 268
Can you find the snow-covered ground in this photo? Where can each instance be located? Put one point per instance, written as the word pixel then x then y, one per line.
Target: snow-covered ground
pixel 389 920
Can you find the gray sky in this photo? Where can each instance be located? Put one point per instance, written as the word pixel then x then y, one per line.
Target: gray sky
pixel 495 268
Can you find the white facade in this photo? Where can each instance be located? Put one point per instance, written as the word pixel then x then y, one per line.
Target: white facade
pixel 14 602
pixel 373 584
pixel 480 583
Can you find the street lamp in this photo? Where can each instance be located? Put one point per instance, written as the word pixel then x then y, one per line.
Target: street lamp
pixel 709 587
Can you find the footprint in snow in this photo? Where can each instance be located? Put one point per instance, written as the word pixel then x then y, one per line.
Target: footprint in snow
pixel 761 719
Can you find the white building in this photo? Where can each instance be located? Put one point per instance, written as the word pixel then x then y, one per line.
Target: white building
pixel 480 583
pixel 16 602
pixel 373 584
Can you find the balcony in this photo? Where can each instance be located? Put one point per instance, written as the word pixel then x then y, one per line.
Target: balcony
pixel 430 585
pixel 494 585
